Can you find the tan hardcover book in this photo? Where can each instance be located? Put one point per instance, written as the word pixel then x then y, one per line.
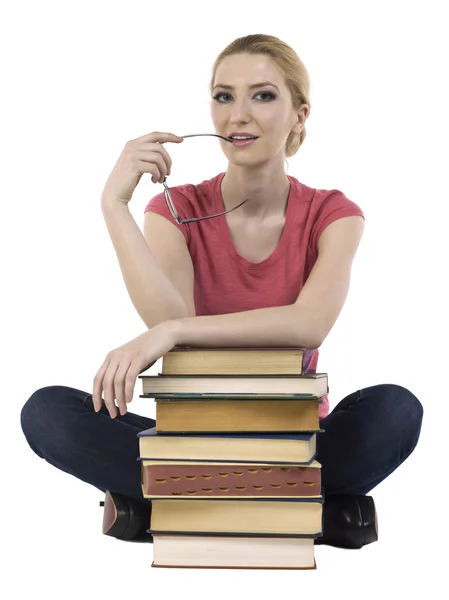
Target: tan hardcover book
pixel 237 415
pixel 186 360
pixel 228 552
pixel 271 448
pixel 277 386
pixel 298 516
pixel 162 479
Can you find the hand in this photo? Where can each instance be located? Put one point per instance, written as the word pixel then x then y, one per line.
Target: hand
pixel 145 154
pixel 117 375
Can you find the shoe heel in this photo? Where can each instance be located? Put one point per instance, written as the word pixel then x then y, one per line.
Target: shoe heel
pixel 369 519
pixel 349 521
pixel 115 515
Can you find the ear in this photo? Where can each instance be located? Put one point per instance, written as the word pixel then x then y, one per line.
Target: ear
pixel 300 118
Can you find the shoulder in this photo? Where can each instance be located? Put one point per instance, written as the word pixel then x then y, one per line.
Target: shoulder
pixel 323 207
pixel 335 200
pixel 321 199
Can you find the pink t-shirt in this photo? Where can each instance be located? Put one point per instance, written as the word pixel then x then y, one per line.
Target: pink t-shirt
pixel 225 282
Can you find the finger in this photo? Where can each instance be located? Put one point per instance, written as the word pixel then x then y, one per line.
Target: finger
pixel 108 387
pixel 119 385
pixel 98 386
pixel 149 167
pixel 161 137
pixel 163 153
pixel 153 158
pixel 130 380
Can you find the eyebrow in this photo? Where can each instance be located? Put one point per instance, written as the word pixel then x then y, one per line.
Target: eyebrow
pixel 255 85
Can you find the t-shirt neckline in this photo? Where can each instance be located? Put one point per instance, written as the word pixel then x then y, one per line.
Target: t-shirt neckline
pixel 225 234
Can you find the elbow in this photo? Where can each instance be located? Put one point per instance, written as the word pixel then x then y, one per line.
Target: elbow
pixel 309 338
pixel 314 344
pixel 309 332
pixel 317 337
pixel 309 342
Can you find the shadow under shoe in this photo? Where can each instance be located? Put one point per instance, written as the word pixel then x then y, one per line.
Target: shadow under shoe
pixel 126 519
pixel 349 521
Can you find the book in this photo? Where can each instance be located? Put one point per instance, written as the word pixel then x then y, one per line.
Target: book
pixel 270 448
pixel 278 386
pixel 297 517
pixel 237 415
pixel 187 360
pixel 230 466
pixel 162 479
pixel 233 552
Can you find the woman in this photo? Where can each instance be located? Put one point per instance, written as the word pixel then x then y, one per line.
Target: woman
pixel 273 270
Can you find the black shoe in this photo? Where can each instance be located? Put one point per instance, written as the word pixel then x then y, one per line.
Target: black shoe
pixel 349 521
pixel 126 519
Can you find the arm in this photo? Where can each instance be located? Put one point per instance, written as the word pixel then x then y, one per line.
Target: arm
pixel 308 321
pixel 274 326
pixel 154 296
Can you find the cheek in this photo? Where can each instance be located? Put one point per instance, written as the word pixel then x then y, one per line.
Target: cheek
pixel 212 113
pixel 279 126
pixel 276 119
pixel 216 114
pixel 267 119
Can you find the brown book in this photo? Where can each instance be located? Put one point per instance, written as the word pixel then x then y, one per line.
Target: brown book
pixel 300 517
pixel 228 552
pixel 224 415
pixel 270 448
pixel 162 479
pixel 235 386
pixel 187 360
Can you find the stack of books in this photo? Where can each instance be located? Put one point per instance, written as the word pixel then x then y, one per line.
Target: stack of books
pixel 230 466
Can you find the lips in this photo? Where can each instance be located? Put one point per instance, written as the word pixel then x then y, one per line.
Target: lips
pixel 242 134
pixel 246 142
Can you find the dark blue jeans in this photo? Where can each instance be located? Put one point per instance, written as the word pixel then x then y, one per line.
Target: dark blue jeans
pixel 367 436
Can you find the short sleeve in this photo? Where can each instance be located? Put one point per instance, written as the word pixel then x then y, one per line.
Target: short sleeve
pixel 158 205
pixel 331 205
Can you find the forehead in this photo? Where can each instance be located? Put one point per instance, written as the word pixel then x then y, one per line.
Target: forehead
pixel 241 70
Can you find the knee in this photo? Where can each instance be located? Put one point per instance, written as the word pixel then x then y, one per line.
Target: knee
pixel 40 410
pixel 408 404
pixel 402 406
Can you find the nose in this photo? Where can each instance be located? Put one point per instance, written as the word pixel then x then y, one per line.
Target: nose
pixel 240 112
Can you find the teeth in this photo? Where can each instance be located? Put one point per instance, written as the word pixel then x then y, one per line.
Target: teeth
pixel 241 137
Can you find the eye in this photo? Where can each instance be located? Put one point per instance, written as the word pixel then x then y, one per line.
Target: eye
pixel 218 97
pixel 270 95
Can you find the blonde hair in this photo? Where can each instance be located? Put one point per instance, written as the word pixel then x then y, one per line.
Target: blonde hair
pixel 289 63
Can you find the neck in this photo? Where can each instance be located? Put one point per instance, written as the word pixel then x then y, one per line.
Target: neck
pixel 268 188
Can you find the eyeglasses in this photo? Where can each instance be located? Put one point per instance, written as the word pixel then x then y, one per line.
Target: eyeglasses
pixel 169 201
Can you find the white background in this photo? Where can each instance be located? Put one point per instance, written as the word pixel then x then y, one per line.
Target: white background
pixel 82 78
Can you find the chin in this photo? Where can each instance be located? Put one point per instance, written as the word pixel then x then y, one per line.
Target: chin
pixel 246 160
pixel 249 162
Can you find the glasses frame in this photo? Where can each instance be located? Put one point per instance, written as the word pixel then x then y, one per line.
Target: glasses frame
pixel 169 201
